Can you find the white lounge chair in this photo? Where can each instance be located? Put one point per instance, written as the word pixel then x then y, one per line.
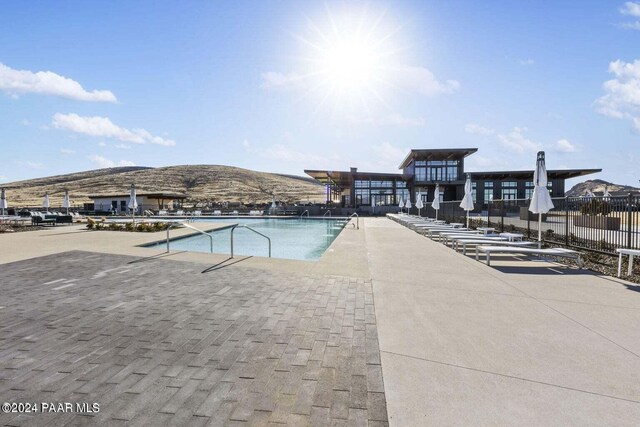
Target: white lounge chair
pixel 559 252
pixel 631 253
pixel 217 212
pixel 485 242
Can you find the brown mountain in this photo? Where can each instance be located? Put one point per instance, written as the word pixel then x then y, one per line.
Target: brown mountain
pixel 198 182
pixel 597 187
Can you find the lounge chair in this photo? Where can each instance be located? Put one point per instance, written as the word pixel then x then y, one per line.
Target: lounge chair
pixel 217 212
pixel 485 242
pixel 559 252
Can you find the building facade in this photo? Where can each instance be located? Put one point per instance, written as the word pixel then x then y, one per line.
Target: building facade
pixel 146 201
pixel 422 170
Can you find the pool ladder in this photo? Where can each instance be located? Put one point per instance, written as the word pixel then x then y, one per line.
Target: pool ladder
pixel 357 219
pixel 306 211
pixel 184 224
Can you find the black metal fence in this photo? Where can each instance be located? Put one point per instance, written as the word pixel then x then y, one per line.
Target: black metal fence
pixel 599 224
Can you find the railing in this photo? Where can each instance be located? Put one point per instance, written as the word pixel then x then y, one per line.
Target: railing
pixel 327 212
pixel 357 219
pixel 247 227
pixel 306 211
pixel 598 224
pixel 184 224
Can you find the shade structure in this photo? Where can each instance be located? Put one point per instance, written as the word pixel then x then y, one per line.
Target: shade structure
pixel 401 204
pixel 133 202
pixel 3 201
pixel 66 203
pixel 541 201
pixel 45 202
pixel 408 204
pixel 436 199
pixel 419 204
pixel 467 200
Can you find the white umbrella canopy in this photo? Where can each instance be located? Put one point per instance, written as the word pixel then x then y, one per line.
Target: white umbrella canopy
pixel 606 192
pixel 273 203
pixel 3 201
pixel 436 199
pixel 45 202
pixel 401 204
pixel 419 204
pixel 467 200
pixel 133 202
pixel 66 203
pixel 541 200
pixel 408 204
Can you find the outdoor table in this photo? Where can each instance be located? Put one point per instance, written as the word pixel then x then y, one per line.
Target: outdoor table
pixel 512 236
pixel 631 253
pixel 486 230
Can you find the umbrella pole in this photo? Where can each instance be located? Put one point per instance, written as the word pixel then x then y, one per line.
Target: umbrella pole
pixel 437 214
pixel 539 230
pixel 467 219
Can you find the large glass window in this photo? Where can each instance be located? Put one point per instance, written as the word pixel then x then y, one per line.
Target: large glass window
pixel 474 191
pixel 509 190
pixel 362 183
pixel 528 189
pixel 488 191
pixel 436 170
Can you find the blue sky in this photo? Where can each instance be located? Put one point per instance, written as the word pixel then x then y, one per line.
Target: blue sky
pixel 281 86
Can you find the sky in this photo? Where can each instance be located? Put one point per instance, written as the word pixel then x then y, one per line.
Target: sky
pixel 283 86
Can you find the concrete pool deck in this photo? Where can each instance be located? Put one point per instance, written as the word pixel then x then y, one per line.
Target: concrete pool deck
pixel 521 342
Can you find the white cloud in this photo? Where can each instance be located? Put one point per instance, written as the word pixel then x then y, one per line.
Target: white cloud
pixel 102 144
pixel 475 129
pixel 564 146
pixel 631 8
pixel 67 151
pixel 15 82
pixel 422 80
pixel 272 79
pixel 102 162
pixel 517 142
pixel 123 146
pixel 622 94
pixel 103 127
pixel 25 122
pixel 527 61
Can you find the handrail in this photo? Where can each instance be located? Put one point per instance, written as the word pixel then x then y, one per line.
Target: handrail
pixel 357 219
pixel 327 212
pixel 306 211
pixel 257 232
pixel 175 224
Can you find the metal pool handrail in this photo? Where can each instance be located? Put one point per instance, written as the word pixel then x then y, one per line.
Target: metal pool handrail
pixel 306 211
pixel 184 224
pixel 327 212
pixel 257 232
pixel 357 219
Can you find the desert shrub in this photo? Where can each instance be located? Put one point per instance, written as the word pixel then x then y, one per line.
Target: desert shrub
pixel 128 226
pixel 90 225
pixel 113 227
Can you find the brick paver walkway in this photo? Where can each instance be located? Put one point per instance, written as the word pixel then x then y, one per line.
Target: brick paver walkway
pixel 163 343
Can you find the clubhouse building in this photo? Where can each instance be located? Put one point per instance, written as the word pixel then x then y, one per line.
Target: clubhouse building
pixel 423 169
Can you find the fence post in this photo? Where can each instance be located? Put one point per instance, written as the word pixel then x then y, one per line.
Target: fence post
pixel 566 222
pixel 629 220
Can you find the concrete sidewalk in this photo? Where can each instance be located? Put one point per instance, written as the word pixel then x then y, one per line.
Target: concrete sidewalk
pixel 518 343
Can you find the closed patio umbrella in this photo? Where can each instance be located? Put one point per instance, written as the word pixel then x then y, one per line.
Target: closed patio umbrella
pixel 273 203
pixel 3 201
pixel 606 194
pixel 401 205
pixel 467 200
pixel 133 202
pixel 66 203
pixel 436 200
pixel 541 201
pixel 419 204
pixel 45 202
pixel 408 204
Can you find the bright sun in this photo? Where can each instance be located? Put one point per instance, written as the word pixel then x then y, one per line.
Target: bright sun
pixel 348 59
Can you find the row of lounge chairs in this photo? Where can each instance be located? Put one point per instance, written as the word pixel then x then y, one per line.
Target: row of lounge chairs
pixel 216 212
pixel 483 239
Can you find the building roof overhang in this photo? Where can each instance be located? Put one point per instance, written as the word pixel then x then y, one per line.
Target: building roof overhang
pixel 524 174
pixel 437 154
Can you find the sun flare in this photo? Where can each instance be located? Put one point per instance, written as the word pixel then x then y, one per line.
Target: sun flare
pixel 349 64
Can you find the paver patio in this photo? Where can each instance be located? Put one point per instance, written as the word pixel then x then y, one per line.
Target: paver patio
pixel 158 342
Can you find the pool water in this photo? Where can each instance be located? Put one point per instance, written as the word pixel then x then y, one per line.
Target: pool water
pixel 303 239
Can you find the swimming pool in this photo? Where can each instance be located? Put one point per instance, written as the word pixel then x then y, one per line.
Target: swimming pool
pixel 303 239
